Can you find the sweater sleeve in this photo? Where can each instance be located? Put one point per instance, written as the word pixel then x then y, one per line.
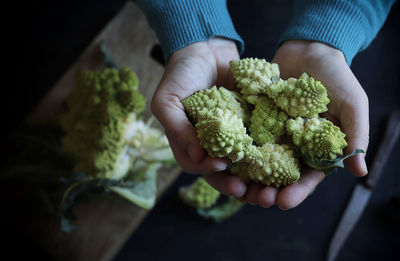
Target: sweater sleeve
pixel 178 23
pixel 349 26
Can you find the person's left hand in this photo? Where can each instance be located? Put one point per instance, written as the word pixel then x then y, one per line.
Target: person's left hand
pixel 348 108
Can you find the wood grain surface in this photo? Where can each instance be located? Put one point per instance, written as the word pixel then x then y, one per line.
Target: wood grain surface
pixel 106 221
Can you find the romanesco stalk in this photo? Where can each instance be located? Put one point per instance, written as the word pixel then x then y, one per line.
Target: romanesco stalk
pixel 253 76
pixel 277 166
pixel 317 138
pixel 199 194
pixel 240 169
pixel 303 97
pixel 267 121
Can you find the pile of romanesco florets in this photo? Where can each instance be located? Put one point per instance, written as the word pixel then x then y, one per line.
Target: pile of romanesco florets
pixel 270 127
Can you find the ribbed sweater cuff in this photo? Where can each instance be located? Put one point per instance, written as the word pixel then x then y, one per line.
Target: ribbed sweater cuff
pixel 339 24
pixel 178 23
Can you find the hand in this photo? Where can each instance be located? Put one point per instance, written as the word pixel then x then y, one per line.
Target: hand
pixel 348 108
pixel 193 68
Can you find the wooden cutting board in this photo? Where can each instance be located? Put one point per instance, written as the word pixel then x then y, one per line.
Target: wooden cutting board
pixel 106 221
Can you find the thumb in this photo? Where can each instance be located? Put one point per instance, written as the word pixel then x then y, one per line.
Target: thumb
pixel 182 135
pixel 355 123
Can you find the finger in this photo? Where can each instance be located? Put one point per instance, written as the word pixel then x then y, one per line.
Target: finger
pixel 252 193
pixel 267 197
pixel 355 123
pixel 241 199
pixel 183 136
pixel 228 81
pixel 292 195
pixel 206 165
pixel 226 183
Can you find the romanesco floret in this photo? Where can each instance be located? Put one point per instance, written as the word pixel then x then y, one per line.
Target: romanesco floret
pixel 101 108
pixel 223 134
pixel 317 138
pixel 199 194
pixel 303 97
pixel 277 166
pixel 214 98
pixel 240 170
pixel 267 121
pixel 253 76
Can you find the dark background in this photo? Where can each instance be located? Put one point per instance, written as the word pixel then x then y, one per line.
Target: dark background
pixel 44 38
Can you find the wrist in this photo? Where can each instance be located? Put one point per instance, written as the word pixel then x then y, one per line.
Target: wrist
pixel 304 55
pixel 311 47
pixel 214 47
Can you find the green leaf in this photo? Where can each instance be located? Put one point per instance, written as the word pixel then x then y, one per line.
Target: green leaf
pixel 107 57
pixel 66 225
pixel 220 213
pixel 75 188
pixel 327 166
pixel 143 190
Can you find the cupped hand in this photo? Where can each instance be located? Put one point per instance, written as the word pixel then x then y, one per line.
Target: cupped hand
pixel 348 108
pixel 195 67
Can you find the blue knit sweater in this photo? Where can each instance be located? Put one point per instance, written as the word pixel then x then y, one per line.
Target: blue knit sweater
pixel 349 26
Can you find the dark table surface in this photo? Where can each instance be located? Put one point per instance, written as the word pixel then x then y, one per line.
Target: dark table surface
pixel 50 35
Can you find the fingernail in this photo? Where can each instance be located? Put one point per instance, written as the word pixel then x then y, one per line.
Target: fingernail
pixel 364 166
pixel 239 190
pixel 220 165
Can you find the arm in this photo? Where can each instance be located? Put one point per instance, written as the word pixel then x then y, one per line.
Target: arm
pixel 349 26
pixel 179 23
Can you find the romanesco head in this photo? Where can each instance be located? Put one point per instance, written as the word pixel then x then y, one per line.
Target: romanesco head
pixel 278 166
pixel 303 97
pixel 128 95
pixel 100 108
pixel 267 121
pixel 317 138
pixel 253 76
pixel 222 134
pixel 199 194
pixel 82 98
pixel 213 98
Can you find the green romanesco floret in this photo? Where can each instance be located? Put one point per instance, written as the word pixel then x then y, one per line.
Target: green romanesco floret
pixel 303 97
pixel 317 138
pixel 100 110
pixel 278 166
pixel 267 121
pixel 223 134
pixel 240 169
pixel 253 76
pixel 221 212
pixel 199 194
pixel 213 98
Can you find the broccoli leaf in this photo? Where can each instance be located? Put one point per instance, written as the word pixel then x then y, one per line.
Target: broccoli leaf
pixel 143 190
pixel 77 187
pixel 220 213
pixel 108 60
pixel 327 166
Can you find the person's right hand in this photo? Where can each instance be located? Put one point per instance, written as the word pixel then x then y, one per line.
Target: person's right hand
pixel 195 67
